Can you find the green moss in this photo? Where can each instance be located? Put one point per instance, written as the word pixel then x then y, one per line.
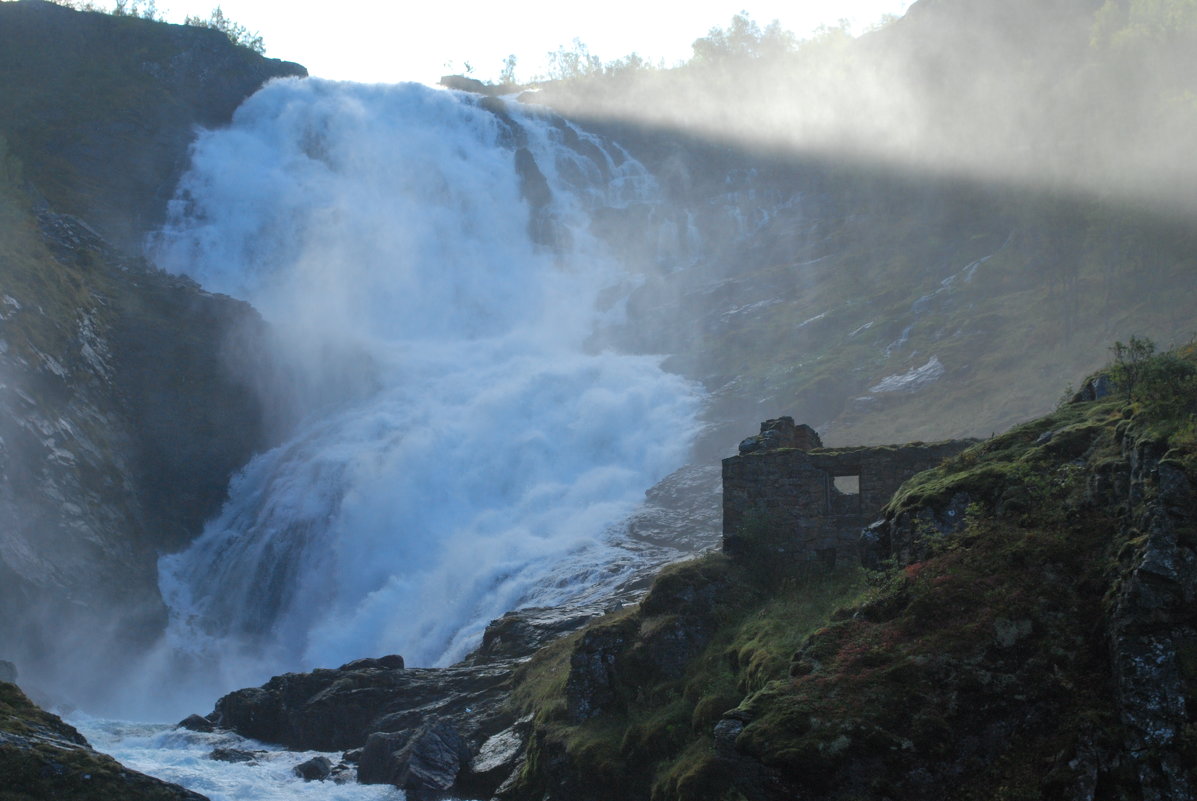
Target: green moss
pixel 854 682
pixel 659 733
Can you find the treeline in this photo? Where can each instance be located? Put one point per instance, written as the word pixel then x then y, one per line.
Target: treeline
pixel 238 34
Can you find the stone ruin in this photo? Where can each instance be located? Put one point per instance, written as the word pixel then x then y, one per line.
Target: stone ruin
pixel 784 477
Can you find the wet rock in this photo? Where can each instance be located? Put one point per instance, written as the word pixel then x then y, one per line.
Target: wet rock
pixel 390 662
pixel 318 768
pixel 235 755
pixel 43 757
pixel 425 763
pixel 498 758
pixel 524 631
pixel 333 710
pixel 196 723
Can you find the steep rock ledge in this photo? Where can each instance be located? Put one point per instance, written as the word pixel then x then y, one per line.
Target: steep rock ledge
pixel 104 467
pixel 43 757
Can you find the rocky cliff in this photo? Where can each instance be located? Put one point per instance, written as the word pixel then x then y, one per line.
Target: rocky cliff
pixel 101 109
pixel 125 393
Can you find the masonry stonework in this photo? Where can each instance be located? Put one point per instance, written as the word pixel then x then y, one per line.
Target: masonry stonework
pixel 823 496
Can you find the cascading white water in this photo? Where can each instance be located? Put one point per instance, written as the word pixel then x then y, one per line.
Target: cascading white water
pixel 491 452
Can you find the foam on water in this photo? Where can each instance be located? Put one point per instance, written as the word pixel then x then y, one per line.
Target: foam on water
pixel 472 454
pixel 182 757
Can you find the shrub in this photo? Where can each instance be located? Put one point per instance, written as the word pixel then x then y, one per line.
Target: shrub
pixel 238 34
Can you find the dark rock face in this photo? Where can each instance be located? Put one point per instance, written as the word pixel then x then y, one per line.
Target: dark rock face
pixel 1153 624
pixel 126 402
pixel 593 680
pixel 122 422
pixel 109 142
pixel 424 763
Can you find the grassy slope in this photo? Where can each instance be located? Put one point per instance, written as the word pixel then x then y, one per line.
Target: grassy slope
pixel 979 671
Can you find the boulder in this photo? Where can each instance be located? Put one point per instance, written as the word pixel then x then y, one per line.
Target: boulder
pixel 334 710
pixel 8 671
pixel 318 768
pixel 234 755
pixel 424 764
pixel 196 723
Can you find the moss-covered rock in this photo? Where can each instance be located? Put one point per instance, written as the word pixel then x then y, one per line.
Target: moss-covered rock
pixel 41 757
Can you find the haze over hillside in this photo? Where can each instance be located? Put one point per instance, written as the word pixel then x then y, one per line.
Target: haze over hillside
pixel 482 351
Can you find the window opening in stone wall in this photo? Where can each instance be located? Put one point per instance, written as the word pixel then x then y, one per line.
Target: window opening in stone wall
pixel 847 485
pixel 843 494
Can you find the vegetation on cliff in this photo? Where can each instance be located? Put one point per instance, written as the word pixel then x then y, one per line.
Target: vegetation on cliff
pixel 1028 636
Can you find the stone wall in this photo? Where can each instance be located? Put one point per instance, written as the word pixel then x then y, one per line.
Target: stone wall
pixel 823 496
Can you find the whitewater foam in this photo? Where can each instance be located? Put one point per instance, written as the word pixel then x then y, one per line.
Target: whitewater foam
pixel 484 466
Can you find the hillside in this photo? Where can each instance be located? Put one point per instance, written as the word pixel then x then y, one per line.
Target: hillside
pixel 1026 632
pixel 126 394
pixel 101 109
pixel 922 233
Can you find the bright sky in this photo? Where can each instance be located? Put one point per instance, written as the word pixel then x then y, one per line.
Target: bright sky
pixel 396 40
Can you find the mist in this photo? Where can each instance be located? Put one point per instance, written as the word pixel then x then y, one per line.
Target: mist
pixel 458 449
pixel 487 331
pixel 1068 96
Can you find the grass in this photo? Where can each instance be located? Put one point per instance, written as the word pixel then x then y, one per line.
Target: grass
pixel 980 670
pixel 657 731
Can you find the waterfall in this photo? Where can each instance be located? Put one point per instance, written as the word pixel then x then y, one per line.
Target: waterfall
pixel 427 263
